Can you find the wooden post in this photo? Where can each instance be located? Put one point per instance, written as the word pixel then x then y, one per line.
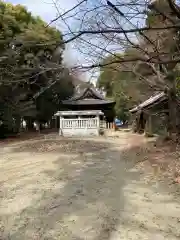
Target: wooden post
pixel 150 124
pixel 148 127
pixel 98 124
pixel 60 126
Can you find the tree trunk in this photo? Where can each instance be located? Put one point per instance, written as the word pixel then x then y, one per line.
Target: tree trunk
pixel 17 124
pixel 172 115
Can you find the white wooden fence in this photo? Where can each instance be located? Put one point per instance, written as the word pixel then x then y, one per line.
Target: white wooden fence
pixel 79 123
pixel 105 125
pixel 79 126
pixel 85 123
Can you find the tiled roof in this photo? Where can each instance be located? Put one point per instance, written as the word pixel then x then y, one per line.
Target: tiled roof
pixel 82 94
pixel 88 96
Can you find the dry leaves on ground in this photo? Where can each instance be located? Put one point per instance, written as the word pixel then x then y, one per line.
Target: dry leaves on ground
pixel 163 161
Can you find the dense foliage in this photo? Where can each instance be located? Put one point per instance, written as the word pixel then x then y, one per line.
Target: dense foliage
pixel 122 84
pixel 32 78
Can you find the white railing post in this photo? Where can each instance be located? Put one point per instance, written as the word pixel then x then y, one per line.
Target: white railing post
pixel 60 126
pixel 98 123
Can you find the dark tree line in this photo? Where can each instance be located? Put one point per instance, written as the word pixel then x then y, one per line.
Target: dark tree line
pixel 33 79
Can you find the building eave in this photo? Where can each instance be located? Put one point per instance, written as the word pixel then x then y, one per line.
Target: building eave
pixel 149 102
pixel 88 102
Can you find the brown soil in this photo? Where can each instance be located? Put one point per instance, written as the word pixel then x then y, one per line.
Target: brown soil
pixel 106 188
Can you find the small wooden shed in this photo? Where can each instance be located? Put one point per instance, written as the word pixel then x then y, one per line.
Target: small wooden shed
pixel 152 112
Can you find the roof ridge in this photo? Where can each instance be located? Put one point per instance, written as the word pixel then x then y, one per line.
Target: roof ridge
pixel 93 90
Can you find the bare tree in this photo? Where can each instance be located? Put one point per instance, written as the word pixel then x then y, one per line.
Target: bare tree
pixel 149 28
pixel 107 28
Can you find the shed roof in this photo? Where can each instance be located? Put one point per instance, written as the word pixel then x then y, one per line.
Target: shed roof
pixel 150 101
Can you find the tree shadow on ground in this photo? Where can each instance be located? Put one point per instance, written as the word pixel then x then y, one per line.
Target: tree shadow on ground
pixel 88 197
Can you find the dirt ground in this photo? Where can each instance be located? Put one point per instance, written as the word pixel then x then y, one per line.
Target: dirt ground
pixel 85 189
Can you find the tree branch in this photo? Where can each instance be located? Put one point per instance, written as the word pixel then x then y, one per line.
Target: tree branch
pixel 174 7
pixel 137 30
pixel 62 15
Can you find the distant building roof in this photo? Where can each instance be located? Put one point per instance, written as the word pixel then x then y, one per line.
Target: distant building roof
pixel 150 101
pixel 88 96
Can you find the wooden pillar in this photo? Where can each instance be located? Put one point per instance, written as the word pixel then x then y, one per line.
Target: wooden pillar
pixel 98 124
pixel 148 126
pixel 60 126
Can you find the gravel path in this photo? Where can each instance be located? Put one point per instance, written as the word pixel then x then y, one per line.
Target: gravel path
pixel 83 189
